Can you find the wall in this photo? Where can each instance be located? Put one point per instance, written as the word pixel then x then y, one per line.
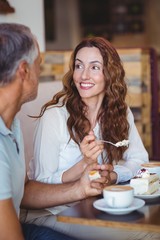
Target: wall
pixel 67 26
pixel 68 29
pixel 152 23
pixel 30 13
pixel 33 108
pixel 151 36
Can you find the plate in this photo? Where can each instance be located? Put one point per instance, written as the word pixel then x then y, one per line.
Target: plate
pixel 101 205
pixel 149 196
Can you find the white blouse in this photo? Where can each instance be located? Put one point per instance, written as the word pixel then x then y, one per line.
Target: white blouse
pixel 54 153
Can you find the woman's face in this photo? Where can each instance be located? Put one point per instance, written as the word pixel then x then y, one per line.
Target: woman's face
pixel 88 73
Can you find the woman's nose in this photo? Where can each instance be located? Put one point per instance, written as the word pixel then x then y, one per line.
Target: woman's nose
pixel 85 74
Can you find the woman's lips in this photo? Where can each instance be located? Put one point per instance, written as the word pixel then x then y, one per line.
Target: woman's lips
pixel 86 85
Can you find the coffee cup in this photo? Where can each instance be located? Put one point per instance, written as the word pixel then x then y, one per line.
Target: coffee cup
pixel 152 167
pixel 118 196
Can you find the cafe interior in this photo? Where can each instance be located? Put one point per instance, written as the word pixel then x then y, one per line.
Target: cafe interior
pixel 132 26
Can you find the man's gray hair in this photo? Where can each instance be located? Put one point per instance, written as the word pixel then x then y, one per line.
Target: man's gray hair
pixel 17 44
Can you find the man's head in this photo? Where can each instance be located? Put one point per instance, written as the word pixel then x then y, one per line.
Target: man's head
pixel 19 51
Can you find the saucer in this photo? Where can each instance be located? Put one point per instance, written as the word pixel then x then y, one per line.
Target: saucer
pixel 101 205
pixel 149 196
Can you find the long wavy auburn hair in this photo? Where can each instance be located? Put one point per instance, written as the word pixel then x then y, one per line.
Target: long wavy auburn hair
pixel 112 115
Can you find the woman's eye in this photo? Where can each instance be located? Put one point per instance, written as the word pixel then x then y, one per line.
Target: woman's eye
pixel 78 66
pixel 96 68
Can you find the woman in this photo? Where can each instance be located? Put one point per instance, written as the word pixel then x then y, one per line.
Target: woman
pixel 90 107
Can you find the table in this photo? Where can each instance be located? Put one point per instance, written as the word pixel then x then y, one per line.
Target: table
pixel 145 219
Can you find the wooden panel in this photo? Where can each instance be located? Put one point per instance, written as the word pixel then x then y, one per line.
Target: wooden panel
pixel 137 67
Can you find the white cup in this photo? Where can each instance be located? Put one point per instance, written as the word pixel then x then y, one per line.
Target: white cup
pixel 118 196
pixel 152 167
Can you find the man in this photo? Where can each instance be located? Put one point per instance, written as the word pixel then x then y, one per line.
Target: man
pixel 19 71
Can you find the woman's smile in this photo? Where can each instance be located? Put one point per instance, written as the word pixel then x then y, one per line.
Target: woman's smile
pixel 86 85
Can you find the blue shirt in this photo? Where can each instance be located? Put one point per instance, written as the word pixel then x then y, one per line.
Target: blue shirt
pixel 12 163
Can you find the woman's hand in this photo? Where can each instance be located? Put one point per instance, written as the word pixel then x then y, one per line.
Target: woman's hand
pixel 90 148
pixel 109 175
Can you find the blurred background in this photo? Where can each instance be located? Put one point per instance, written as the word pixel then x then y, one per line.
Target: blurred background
pixel 133 28
pixel 126 23
pixel 60 24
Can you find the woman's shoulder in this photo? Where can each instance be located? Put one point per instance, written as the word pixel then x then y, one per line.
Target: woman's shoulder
pixel 53 119
pixel 56 113
pixel 130 115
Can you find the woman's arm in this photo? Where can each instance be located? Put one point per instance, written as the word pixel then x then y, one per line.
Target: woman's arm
pixel 90 150
pixel 47 147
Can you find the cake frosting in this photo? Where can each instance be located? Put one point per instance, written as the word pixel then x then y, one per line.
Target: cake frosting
pixel 145 182
pixel 122 143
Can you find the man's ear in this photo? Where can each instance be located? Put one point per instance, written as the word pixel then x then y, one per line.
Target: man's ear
pixel 23 70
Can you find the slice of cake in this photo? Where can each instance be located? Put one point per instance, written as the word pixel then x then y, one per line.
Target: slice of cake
pixel 144 182
pixel 93 175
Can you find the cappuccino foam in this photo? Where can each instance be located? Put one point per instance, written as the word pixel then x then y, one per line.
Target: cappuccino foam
pixel 118 188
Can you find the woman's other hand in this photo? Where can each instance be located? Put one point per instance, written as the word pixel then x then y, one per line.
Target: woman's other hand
pixel 90 148
pixel 111 176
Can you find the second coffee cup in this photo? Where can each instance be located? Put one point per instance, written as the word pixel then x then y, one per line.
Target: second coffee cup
pixel 152 167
